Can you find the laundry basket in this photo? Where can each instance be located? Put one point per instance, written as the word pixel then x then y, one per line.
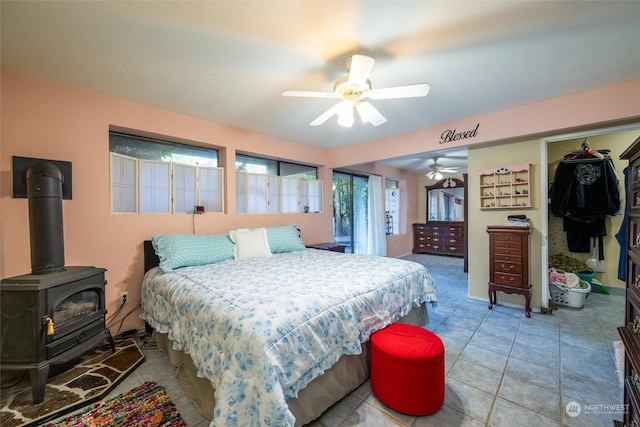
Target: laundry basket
pixel 571 297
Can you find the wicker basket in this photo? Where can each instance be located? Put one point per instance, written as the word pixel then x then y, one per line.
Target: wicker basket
pixel 571 297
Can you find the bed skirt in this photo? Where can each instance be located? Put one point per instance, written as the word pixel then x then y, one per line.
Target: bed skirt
pixel 345 376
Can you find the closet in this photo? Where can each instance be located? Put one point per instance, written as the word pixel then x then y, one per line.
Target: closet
pixel 581 215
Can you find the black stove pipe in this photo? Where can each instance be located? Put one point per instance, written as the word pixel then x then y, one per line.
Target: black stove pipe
pixel 44 191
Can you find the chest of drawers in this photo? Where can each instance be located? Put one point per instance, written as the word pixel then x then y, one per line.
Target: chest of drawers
pixel 630 332
pixel 439 237
pixel 509 263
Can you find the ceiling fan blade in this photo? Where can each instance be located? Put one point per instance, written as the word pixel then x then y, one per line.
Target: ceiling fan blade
pixel 326 115
pixel 449 170
pixel 309 94
pixel 409 91
pixel 369 113
pixel 359 69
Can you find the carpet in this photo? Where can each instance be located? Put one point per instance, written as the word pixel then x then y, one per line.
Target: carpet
pixel 70 386
pixel 145 405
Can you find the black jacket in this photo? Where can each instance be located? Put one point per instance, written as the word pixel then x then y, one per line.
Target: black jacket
pixel 585 188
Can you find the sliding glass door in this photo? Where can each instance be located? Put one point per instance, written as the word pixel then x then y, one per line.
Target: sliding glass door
pixel 350 193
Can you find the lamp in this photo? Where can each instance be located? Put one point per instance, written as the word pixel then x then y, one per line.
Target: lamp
pixel 345 114
pixel 434 175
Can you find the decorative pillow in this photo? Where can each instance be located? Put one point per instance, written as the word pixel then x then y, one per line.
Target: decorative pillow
pixel 184 250
pixel 284 239
pixel 250 243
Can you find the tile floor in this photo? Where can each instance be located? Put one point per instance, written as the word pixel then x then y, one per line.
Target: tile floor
pixel 502 369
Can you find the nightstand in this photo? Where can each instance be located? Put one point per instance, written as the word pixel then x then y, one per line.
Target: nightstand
pixel 334 247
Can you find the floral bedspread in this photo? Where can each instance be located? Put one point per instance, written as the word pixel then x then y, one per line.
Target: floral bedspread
pixel 262 329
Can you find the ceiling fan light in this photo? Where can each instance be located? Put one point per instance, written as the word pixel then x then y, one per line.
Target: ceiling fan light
pixel 345 114
pixel 438 176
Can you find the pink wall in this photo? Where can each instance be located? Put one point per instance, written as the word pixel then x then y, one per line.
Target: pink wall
pixel 46 120
pixel 610 104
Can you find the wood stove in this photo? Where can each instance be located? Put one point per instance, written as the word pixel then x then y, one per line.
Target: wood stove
pixel 56 313
pixel 50 319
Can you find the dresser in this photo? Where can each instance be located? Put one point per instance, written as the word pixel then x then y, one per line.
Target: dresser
pixel 509 263
pixel 630 332
pixel 439 238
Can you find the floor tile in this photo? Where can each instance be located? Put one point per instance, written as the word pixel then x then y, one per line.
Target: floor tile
pixel 508 414
pixel 502 369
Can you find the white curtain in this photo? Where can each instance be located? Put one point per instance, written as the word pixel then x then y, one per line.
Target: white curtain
pixel 376 237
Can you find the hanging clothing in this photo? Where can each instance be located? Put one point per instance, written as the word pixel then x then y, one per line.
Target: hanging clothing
pixel 585 189
pixel 581 231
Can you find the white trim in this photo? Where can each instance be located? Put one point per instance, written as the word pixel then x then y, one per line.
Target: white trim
pixel 544 199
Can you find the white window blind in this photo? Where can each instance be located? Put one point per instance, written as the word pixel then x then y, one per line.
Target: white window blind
pixel 274 194
pixel 184 188
pixel 124 184
pixel 289 193
pixel 261 193
pixel 311 194
pixel 147 186
pixel 154 186
pixel 211 181
pixel 256 193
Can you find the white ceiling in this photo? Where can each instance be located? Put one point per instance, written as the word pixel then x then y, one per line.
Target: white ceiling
pixel 229 61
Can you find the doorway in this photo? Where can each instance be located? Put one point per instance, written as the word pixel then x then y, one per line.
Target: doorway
pixel 350 202
pixel 550 233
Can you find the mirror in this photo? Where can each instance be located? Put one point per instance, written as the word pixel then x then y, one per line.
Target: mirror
pixel 445 200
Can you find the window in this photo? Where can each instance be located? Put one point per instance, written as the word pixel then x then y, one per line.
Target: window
pixel 350 216
pixel 392 206
pixel 153 176
pixel 271 186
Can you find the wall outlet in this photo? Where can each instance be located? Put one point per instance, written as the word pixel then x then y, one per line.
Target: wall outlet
pixel 197 209
pixel 124 298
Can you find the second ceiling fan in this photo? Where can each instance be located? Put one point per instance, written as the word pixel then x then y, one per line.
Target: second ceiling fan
pixel 436 170
pixel 351 90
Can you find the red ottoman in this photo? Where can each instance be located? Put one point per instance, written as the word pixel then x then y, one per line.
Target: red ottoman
pixel 407 369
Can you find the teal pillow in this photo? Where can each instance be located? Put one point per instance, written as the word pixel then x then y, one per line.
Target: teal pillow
pixel 184 250
pixel 284 239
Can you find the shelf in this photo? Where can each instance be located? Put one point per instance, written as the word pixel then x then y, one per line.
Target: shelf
pixel 505 187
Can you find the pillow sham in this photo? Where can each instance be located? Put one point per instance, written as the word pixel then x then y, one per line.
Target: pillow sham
pixel 184 250
pixel 284 239
pixel 250 243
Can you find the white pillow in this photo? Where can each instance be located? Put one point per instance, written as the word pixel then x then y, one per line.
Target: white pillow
pixel 250 243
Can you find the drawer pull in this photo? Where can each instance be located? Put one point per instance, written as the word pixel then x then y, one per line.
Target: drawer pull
pixel 511 280
pixel 436 247
pixel 507 258
pixel 420 238
pixel 435 239
pixel 634 378
pixel 453 248
pixel 436 234
pixel 452 240
pixel 637 200
pixel 636 324
pixel 634 423
pixel 637 240
pixel 504 267
pixel 636 283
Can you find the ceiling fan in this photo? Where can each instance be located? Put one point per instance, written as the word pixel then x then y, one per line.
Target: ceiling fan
pixel 436 170
pixel 352 89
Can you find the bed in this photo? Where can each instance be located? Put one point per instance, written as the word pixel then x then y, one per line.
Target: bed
pixel 266 331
